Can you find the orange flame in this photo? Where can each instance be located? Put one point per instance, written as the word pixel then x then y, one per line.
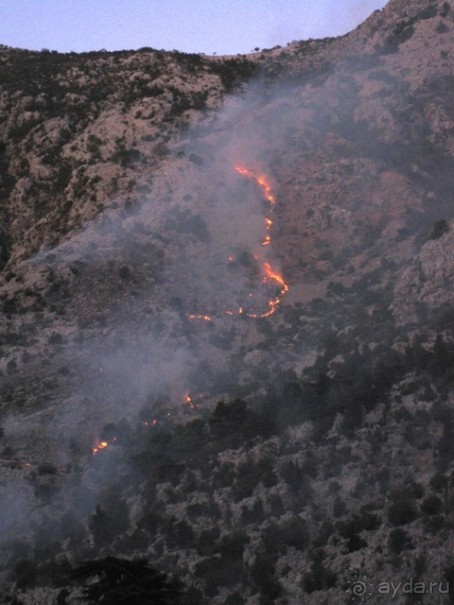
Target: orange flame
pixel 270 275
pixel 189 402
pixel 268 225
pixel 261 180
pixel 101 446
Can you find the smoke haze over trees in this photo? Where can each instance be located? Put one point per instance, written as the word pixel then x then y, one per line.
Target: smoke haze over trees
pixel 151 407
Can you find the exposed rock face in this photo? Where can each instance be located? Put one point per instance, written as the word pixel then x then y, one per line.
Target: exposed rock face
pixel 147 412
pixel 75 132
pixel 429 279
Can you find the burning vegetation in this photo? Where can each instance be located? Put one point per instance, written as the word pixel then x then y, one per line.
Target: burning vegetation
pixel 272 280
pixel 106 441
pixel 101 446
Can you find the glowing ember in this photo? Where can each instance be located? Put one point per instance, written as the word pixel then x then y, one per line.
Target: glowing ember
pixel 261 180
pixel 189 402
pixel 154 422
pixel 202 317
pixel 101 446
pixel 270 274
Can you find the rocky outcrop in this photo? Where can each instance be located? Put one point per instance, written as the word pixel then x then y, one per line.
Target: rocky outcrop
pixel 428 282
pixel 263 459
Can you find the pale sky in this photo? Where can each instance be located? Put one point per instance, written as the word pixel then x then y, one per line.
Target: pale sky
pixel 209 26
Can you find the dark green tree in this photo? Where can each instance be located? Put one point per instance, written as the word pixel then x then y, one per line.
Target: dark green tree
pixel 121 581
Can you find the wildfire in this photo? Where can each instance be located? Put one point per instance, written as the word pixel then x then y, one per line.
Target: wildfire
pixel 154 422
pixel 261 180
pixel 101 446
pixel 189 402
pixel 268 225
pixel 270 275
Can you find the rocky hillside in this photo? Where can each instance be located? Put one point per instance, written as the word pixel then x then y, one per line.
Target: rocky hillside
pixel 226 324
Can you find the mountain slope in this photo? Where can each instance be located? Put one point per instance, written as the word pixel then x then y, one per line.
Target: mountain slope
pixel 154 401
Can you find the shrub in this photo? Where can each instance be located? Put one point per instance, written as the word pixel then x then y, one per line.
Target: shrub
pixel 431 505
pixel 439 482
pixel 339 508
pixel 324 533
pixel 114 580
pixel 255 515
pixel 150 522
pixel 234 599
pixel 292 474
pixel 207 541
pixel 262 574
pixel 231 546
pixel 363 521
pixel 439 229
pixel 401 512
pixel 355 543
pixel 250 474
pixel 190 438
pixel 295 532
pixel 434 523
pixel 47 469
pixel 318 578
pixel 25 574
pixel 449 575
pixel 398 541
pixel 125 157
pixel 234 71
pixel 232 423
pixel 183 535
pixel 218 572
pixel 227 419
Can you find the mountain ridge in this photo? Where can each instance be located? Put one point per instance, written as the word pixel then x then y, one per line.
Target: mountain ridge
pixel 262 460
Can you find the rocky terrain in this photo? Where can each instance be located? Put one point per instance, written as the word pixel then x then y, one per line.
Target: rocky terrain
pixel 226 325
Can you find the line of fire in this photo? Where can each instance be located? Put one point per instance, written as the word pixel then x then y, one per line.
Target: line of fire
pixel 103 444
pixel 270 276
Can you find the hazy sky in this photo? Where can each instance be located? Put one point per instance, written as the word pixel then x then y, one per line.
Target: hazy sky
pixel 222 26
